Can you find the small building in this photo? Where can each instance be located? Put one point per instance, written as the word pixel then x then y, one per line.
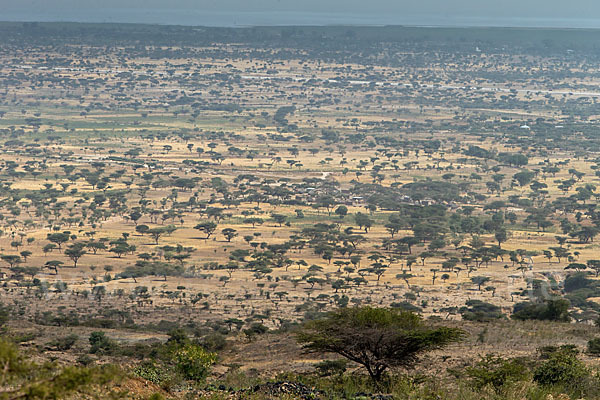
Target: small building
pixel 357 200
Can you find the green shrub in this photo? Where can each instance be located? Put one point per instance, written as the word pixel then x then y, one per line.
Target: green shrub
pixel 551 310
pixel 593 346
pixel 579 298
pixel 406 306
pixel 4 315
pixel 178 337
pixel 477 310
pixel 331 367
pixel 497 372
pixel 63 343
pixel 100 343
pixel 140 351
pixel 578 281
pixel 562 368
pixel 101 323
pixel 255 329
pixel 85 360
pixel 152 372
pixel 193 362
pixel 214 342
pixel 547 351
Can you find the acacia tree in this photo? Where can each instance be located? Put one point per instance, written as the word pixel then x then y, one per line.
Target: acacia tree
pixel 479 281
pixel 279 218
pixel 75 252
pixel 208 227
pixel 376 338
pixel 53 264
pixel 11 260
pixel 363 221
pixel 58 238
pixel 501 235
pixel 95 246
pixel 229 233
pixel 594 265
pixel 158 232
pixel 25 254
pixel 405 276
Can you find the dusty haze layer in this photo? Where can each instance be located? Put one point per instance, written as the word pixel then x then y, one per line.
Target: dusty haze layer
pixel 534 13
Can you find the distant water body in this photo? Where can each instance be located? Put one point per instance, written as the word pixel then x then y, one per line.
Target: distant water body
pixel 277 18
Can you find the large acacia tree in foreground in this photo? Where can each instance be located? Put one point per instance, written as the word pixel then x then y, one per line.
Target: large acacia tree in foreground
pixel 376 338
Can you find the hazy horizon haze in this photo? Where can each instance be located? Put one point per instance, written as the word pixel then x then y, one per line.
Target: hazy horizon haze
pixel 534 13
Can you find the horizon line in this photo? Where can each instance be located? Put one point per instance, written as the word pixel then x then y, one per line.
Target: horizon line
pixel 307 25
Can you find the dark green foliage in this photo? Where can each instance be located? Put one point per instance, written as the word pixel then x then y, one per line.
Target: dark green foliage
pixel 146 268
pixel 193 362
pixel 436 190
pixel 562 368
pixel 331 367
pixel 152 372
pixel 406 306
pixel 4 315
pixel 100 343
pixel 63 343
pixel 551 310
pixel 23 379
pixel 513 159
pixel 578 281
pixel 547 351
pixel 214 342
pixel 497 372
pixel 179 359
pixel 281 113
pixel 255 329
pixel 178 337
pixel 477 310
pixel 593 346
pixel 579 288
pixel 376 338
pixel 479 152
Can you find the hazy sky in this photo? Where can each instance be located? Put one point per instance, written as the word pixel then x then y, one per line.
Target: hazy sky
pixel 167 11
